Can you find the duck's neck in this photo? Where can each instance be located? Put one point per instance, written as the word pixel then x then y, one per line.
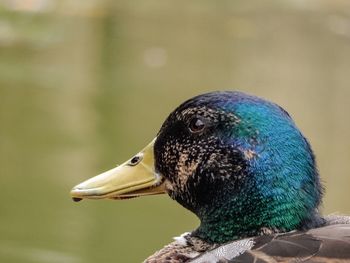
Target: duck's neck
pixel 230 222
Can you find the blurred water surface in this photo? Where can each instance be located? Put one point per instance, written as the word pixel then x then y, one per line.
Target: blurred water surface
pixel 86 84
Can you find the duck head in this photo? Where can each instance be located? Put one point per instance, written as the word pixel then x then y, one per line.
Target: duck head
pixel 237 161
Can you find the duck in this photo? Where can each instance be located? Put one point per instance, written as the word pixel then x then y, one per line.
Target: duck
pixel 243 167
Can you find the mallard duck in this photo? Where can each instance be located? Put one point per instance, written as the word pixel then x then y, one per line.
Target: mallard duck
pixel 242 166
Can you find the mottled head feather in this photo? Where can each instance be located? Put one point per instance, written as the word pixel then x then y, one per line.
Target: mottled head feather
pixel 240 164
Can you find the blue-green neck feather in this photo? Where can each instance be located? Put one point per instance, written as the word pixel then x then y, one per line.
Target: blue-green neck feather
pixel 282 189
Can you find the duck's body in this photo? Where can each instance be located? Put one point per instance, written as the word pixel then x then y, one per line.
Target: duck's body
pixel 329 243
pixel 243 167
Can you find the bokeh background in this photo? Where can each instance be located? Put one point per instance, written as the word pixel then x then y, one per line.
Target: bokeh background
pixel 85 84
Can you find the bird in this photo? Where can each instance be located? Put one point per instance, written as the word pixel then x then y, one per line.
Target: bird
pixel 243 167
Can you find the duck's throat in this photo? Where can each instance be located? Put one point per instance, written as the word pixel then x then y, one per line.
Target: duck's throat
pixel 220 232
pixel 227 224
pixel 232 221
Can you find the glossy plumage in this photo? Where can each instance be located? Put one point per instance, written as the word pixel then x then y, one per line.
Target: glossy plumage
pixel 255 175
pixel 250 166
pixel 243 167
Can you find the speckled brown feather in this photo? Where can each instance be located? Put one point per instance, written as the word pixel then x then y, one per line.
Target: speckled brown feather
pixel 183 249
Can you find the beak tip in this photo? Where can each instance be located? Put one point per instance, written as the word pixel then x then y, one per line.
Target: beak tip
pixel 76 194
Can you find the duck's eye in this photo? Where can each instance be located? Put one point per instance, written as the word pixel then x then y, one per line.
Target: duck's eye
pixel 196 125
pixel 135 160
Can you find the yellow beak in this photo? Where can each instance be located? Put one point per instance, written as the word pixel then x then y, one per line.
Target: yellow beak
pixel 133 178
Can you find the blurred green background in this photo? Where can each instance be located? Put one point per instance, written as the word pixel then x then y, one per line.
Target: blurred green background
pixel 86 84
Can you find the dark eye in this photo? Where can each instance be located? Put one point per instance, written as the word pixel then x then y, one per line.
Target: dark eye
pixel 196 125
